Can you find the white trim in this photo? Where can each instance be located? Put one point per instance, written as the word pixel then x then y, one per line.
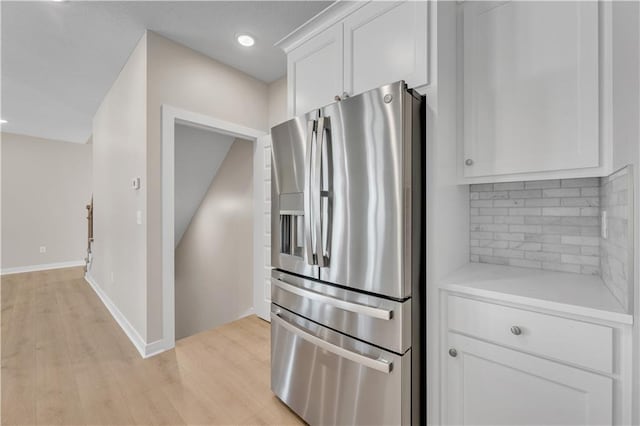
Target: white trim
pixel 145 349
pixel 333 14
pixel 171 116
pixel 42 267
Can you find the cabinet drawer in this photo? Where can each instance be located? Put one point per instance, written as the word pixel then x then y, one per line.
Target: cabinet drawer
pixel 577 342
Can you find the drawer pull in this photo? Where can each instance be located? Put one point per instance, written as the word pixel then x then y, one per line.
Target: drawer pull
pixel 356 308
pixel 516 330
pixel 379 364
pixel 453 353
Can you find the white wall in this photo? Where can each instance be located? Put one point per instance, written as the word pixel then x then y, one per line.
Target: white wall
pixel 198 156
pixel 119 155
pixel 45 187
pixel 185 79
pixel 213 274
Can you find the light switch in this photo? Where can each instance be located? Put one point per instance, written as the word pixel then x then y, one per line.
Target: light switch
pixel 135 183
pixel 603 226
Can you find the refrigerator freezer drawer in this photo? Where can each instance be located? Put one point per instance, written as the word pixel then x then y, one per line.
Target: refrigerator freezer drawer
pixel 329 378
pixel 383 322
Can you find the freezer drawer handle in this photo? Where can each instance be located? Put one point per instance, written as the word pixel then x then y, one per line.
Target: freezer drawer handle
pixel 371 311
pixel 378 364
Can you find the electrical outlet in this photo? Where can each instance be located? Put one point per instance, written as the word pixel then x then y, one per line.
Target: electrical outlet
pixel 603 226
pixel 43 249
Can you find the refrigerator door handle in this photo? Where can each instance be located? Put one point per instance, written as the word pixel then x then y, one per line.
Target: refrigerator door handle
pixel 357 308
pixel 378 364
pixel 317 192
pixel 308 238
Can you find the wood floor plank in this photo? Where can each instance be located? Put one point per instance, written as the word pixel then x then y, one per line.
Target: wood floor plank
pixel 66 361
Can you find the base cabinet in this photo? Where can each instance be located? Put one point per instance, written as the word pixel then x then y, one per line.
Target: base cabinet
pixel 488 384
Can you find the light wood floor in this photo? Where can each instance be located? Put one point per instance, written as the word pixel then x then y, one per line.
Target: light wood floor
pixel 66 361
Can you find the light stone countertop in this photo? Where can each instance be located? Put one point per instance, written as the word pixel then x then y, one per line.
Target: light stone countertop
pixel 577 294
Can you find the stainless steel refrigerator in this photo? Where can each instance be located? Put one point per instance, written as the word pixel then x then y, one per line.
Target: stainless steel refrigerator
pixel 347 245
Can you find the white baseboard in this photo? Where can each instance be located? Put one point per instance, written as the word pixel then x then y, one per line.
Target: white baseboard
pixel 42 267
pixel 145 349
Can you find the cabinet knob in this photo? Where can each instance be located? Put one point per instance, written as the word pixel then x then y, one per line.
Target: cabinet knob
pixel 516 330
pixel 453 353
pixel 337 98
pixel 468 162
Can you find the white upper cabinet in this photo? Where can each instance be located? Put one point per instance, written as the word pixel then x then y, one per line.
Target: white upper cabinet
pixel 352 47
pixel 314 71
pixel 531 88
pixel 385 42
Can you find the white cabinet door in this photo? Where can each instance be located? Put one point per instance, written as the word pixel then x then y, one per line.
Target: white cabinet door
pixel 530 87
pixel 491 385
pixel 385 42
pixel 314 71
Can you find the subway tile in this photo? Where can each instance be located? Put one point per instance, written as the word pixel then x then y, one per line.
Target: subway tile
pixel 481 235
pixel 491 227
pixel 480 251
pixel 481 187
pixel 581 202
pixel 580 221
pixel 474 258
pixel 590 192
pixel 481 219
pixel 542 238
pixel 561 211
pixel 523 245
pixel 543 220
pixel 511 220
pixel 506 236
pixel 561 248
pixel 508 186
pixel 580 182
pixel 481 203
pixel 474 195
pixel 589 211
pixel 525 211
pixel 542 184
pixel 494 211
pixel 508 203
pixel 493 244
pixel 582 241
pixel 581 260
pixel 561 267
pixel 503 195
pixel 530 229
pixel 516 254
pixel 542 256
pixel 542 202
pixel 527 193
pixel 523 263
pixel 561 229
pixel 590 251
pixel 561 192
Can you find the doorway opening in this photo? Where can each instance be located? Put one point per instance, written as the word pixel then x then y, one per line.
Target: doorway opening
pixel 212 235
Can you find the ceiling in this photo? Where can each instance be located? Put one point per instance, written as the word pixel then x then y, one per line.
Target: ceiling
pixel 59 59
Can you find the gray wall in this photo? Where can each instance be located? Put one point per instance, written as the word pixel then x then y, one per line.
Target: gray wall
pixel 45 187
pixel 213 268
pixel 198 155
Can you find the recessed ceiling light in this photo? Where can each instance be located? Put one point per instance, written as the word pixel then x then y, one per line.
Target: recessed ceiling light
pixel 3 121
pixel 245 40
